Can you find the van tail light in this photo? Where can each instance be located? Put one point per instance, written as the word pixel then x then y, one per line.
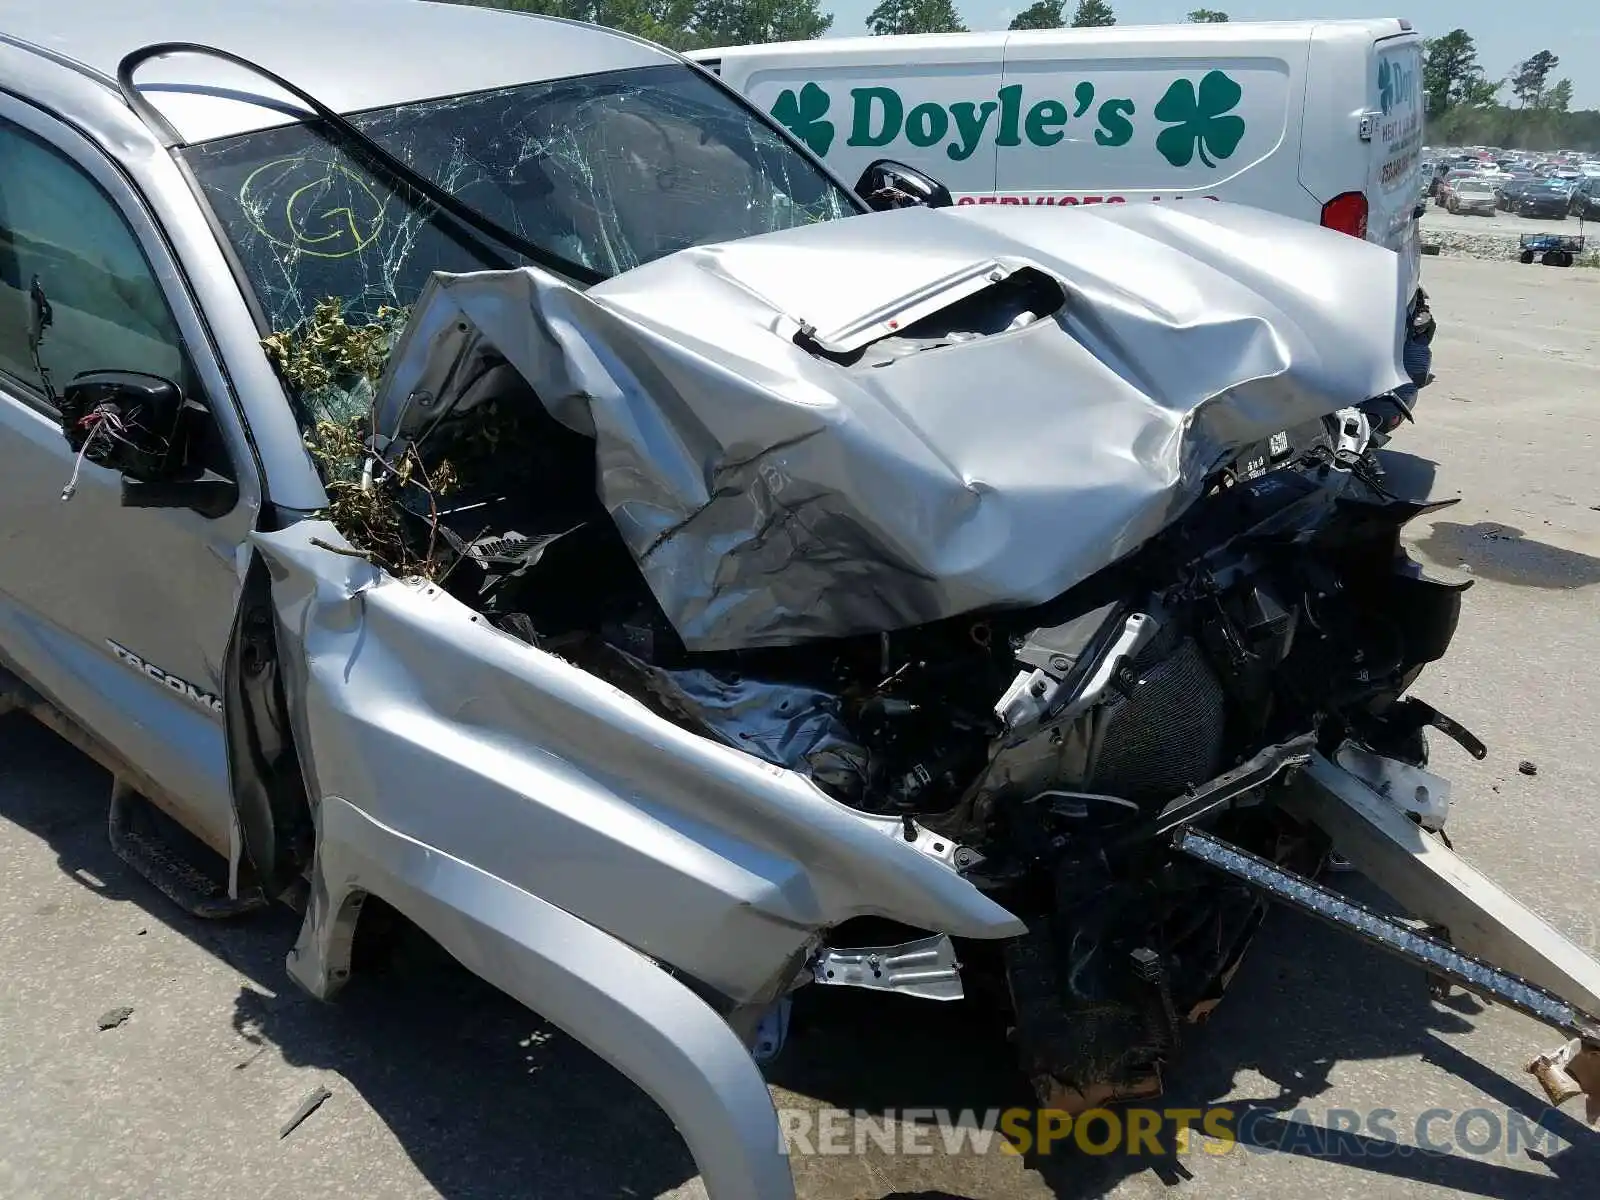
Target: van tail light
pixel 1347 213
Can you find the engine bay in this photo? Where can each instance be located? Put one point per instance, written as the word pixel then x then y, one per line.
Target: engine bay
pixel 1269 614
pixel 1278 614
pixel 1275 605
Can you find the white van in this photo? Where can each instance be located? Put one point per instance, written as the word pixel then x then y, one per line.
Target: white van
pixel 1320 120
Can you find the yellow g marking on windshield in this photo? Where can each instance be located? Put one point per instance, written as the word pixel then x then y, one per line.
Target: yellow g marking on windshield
pixel 317 208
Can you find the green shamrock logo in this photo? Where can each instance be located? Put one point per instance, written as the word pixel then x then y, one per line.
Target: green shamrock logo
pixel 1388 86
pixel 1197 121
pixel 805 116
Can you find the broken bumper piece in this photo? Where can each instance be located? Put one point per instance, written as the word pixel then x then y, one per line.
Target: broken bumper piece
pixel 1391 934
pixel 926 968
pixel 1546 976
pixel 1570 1071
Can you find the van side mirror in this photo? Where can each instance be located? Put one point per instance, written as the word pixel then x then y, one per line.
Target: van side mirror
pixel 887 184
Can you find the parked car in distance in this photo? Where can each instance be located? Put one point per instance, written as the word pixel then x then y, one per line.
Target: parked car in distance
pixel 1472 194
pixel 1511 187
pixel 1540 198
pixel 1436 175
pixel 1584 199
pixel 1450 180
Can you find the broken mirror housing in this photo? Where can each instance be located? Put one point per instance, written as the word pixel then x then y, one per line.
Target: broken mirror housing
pixel 125 420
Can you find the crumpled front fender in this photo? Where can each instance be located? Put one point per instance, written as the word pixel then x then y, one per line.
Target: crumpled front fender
pixel 416 713
pixel 611 998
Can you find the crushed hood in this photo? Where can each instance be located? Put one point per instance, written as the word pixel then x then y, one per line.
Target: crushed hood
pixel 866 475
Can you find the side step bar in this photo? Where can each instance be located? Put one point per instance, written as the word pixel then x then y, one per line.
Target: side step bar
pixel 170 870
pixel 165 866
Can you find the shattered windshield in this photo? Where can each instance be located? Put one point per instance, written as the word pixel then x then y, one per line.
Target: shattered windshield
pixel 607 171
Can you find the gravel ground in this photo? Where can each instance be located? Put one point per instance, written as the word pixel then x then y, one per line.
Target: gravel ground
pixel 439 1087
pixel 1495 237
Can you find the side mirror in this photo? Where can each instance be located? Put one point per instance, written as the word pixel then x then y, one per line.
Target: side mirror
pixel 137 424
pixel 887 184
pixel 126 421
pixel 1419 212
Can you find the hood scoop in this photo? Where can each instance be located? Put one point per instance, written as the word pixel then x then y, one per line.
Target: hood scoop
pixel 979 301
pixel 834 335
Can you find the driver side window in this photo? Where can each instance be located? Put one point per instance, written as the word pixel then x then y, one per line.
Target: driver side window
pixel 58 227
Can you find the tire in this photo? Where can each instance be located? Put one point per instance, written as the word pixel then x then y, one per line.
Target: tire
pixel 1526 256
pixel 1453 208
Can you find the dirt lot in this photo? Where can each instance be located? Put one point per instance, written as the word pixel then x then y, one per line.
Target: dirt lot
pixel 1510 226
pixel 440 1087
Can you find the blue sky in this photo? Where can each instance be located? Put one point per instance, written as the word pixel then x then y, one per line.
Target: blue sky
pixel 1505 33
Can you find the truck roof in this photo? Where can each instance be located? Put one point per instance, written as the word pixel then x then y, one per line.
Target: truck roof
pixel 1224 34
pixel 350 54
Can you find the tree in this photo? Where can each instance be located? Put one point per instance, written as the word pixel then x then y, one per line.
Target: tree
pixel 1041 14
pixel 915 16
pixel 1091 13
pixel 1207 16
pixel 685 24
pixel 1451 75
pixel 1451 61
pixel 748 22
pixel 1527 83
pixel 1559 97
pixel 1477 90
pixel 669 22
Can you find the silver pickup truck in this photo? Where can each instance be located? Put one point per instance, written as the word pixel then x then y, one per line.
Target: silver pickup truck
pixel 528 490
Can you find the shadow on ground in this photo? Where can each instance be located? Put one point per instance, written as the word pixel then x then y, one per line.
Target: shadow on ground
pixel 486 1099
pixel 1506 554
pixel 1306 999
pixel 489 1101
pixel 1408 475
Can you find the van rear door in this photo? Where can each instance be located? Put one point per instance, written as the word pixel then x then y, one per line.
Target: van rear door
pixel 1394 184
